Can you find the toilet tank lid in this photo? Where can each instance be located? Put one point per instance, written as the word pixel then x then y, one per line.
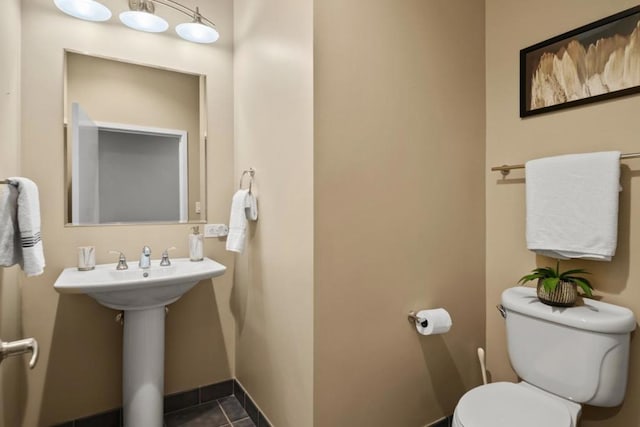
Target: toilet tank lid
pixel 592 315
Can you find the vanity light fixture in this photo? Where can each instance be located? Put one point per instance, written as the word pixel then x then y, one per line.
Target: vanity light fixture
pixel 141 16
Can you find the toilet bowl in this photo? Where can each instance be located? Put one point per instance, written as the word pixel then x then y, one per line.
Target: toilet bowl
pixel 505 404
pixel 564 356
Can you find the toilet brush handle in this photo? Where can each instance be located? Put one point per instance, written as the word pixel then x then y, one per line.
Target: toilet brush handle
pixel 481 358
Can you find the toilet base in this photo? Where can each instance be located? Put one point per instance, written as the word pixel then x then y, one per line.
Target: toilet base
pixel 506 404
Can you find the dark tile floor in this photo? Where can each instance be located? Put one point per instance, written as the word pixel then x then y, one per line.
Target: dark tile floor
pixel 225 412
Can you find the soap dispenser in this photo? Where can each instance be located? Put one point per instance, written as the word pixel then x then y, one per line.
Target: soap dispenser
pixel 196 245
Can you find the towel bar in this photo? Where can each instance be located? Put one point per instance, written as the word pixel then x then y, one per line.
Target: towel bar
pixel 505 169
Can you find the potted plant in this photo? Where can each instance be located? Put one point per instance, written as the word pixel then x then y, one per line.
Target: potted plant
pixel 558 289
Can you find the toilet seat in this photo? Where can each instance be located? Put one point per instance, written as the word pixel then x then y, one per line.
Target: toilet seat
pixel 505 404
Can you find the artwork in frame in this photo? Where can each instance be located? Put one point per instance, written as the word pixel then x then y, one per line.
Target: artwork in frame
pixel 595 62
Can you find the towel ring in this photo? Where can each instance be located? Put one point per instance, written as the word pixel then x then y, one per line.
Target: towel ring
pixel 251 172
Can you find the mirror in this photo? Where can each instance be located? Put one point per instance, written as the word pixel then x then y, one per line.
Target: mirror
pixel 135 142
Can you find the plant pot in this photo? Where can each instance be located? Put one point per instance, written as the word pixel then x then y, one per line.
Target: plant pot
pixel 564 295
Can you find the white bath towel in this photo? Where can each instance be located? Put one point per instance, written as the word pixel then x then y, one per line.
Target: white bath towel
pixel 243 207
pixel 10 249
pixel 572 205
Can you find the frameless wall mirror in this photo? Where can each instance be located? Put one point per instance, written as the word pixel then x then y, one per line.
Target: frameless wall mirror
pixel 135 142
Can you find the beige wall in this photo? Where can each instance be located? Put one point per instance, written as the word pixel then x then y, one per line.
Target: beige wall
pixel 273 290
pixel 10 93
pixel 399 207
pixel 120 92
pixel 610 125
pixel 376 212
pixel 12 371
pixel 80 366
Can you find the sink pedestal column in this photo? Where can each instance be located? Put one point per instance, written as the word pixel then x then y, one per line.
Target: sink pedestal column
pixel 143 367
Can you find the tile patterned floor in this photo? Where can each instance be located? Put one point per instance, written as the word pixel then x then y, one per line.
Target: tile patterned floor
pixel 445 422
pixel 225 412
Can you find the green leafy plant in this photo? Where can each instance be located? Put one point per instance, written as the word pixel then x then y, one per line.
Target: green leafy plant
pixel 550 278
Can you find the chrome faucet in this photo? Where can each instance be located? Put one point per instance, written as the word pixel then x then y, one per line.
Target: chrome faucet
pixel 145 258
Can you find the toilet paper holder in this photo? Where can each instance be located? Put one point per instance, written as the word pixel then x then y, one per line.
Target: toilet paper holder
pixel 419 320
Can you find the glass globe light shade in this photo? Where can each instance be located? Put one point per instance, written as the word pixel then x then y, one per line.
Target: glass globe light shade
pixel 89 10
pixel 143 21
pixel 197 32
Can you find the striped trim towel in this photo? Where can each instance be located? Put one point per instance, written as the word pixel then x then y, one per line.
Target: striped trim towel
pixel 20 239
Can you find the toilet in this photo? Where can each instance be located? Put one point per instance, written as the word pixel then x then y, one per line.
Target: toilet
pixel 565 357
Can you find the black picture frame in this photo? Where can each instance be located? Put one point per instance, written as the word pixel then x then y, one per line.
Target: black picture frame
pixel 554 90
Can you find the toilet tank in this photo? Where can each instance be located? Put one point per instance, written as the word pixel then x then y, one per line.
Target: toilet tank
pixel 580 353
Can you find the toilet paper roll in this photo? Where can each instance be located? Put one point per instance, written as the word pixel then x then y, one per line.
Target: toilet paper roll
pixel 438 321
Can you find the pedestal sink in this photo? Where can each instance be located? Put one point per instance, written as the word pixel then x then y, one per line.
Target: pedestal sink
pixel 143 295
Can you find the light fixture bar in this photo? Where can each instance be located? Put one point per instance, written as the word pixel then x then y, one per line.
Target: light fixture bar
pixel 195 14
pixel 195 31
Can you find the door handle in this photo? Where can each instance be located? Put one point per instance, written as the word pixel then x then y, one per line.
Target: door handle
pixel 14 348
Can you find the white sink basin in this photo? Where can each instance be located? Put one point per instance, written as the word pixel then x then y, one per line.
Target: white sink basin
pixel 136 288
pixel 142 294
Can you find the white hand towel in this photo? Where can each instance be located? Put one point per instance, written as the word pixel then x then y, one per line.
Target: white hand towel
pixel 251 207
pixel 572 205
pixel 243 206
pixel 10 249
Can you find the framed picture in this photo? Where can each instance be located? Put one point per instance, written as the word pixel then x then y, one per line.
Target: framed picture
pixel 595 62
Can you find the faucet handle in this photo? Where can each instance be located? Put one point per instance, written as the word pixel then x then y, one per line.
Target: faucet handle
pixel 146 250
pixel 122 261
pixel 165 257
